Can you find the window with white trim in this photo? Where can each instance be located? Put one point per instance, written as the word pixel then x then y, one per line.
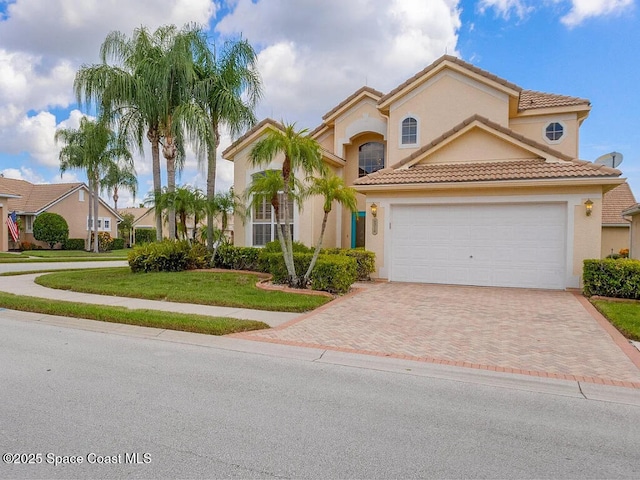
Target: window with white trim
pixel 104 224
pixel 28 223
pixel 409 133
pixel 81 195
pixel 264 221
pixel 554 132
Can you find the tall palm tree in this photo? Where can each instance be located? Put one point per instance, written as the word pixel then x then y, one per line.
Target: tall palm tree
pixel 333 189
pixel 301 154
pixel 120 175
pixel 148 91
pixel 93 148
pixel 229 87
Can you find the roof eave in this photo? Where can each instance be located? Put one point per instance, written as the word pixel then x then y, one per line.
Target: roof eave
pixel 543 182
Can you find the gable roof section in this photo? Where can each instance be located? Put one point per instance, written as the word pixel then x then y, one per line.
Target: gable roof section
pixel 615 202
pixel 34 198
pixel 439 64
pixel 531 99
pixel 532 169
pixel 478 121
pixel 230 152
pixel 357 96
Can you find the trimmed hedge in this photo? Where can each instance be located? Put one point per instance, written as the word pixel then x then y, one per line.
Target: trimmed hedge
pixel 73 244
pixel 612 278
pixel 117 243
pixel 239 258
pixel 168 256
pixel 366 260
pixel 145 235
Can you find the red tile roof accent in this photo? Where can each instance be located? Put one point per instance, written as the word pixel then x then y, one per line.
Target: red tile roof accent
pixel 34 197
pixel 616 201
pixel 530 99
pixel 351 97
pixel 487 171
pixel 456 60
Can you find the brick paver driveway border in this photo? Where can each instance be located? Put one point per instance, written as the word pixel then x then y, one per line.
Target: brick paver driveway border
pixel 544 333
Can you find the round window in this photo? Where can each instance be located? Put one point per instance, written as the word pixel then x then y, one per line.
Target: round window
pixel 554 131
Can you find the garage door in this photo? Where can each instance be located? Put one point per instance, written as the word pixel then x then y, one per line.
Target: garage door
pixel 515 245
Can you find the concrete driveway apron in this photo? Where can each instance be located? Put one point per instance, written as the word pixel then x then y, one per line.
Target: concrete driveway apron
pixel 536 332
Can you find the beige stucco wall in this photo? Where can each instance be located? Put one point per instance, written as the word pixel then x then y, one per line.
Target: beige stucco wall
pixel 362 118
pixel 440 104
pixel 634 237
pixel 533 127
pixel 4 234
pixel 478 145
pixel 614 239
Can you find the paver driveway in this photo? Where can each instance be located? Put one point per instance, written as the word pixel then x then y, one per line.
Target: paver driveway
pixel 537 332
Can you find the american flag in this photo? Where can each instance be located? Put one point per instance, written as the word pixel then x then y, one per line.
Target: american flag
pixel 13 226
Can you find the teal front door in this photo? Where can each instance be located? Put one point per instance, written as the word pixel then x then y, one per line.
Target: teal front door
pixel 357 229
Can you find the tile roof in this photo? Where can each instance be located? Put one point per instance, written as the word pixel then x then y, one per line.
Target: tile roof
pixel 34 197
pixel 456 60
pixel 616 201
pixel 531 169
pixel 492 125
pixel 255 128
pixel 351 97
pixel 530 99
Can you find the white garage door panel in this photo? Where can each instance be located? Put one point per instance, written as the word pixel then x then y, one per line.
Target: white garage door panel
pixel 494 245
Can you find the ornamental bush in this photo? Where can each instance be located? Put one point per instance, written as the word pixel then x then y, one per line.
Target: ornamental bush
pixel 167 256
pixel 239 258
pixel 612 278
pixel 366 260
pixel 50 228
pixel 145 235
pixel 73 244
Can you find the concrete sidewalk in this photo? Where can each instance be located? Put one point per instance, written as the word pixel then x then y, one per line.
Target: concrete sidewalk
pixel 24 285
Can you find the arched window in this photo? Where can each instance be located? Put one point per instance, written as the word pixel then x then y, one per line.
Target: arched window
pixel 370 158
pixel 409 134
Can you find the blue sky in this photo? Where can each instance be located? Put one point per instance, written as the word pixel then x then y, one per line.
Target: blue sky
pixel 314 53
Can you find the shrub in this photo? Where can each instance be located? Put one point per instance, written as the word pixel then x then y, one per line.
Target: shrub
pixel 612 278
pixel 624 252
pixel 167 256
pixel 145 235
pixel 238 258
pixel 298 247
pixel 117 243
pixel 366 260
pixel 27 246
pixel 73 244
pixel 50 228
pixel 105 242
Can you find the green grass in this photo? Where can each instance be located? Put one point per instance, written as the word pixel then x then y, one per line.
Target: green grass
pixel 35 256
pixel 229 289
pixel 625 316
pixel 143 318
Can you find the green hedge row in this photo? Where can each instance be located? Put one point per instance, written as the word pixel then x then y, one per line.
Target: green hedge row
pixel 168 256
pixel 612 278
pixel 145 235
pixel 73 244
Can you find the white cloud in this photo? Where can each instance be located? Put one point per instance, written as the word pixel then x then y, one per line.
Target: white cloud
pixel 23 173
pixel 505 8
pixel 314 54
pixel 582 10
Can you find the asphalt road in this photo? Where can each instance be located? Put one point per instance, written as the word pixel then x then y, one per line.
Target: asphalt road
pixel 163 409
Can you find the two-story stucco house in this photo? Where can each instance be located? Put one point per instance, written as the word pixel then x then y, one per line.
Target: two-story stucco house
pixel 462 178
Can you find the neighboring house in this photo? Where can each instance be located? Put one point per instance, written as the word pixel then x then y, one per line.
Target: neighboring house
pixel 143 219
pixel 634 231
pixel 463 178
pixel 615 227
pixel 67 199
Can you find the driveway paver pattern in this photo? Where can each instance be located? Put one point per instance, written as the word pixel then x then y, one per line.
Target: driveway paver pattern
pixel 536 332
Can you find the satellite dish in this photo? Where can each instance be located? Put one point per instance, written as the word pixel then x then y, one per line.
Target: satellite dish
pixel 612 159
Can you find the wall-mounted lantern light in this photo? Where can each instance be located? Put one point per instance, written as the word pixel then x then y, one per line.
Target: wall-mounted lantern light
pixel 374 210
pixel 588 205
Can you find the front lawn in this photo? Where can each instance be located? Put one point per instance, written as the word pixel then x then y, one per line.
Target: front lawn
pixel 143 318
pixel 625 316
pixel 34 256
pixel 228 289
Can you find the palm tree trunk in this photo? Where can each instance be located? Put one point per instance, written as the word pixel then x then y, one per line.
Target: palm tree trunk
pixel 89 217
pixel 96 206
pixel 211 184
pixel 316 253
pixel 157 180
pixel 169 152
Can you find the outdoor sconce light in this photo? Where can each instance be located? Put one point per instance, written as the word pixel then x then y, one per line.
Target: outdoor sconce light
pixel 588 205
pixel 374 223
pixel 374 210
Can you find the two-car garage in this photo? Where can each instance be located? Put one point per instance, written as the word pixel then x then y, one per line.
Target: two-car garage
pixel 505 245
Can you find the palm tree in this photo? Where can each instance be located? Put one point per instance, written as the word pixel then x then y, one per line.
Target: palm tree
pixel 148 91
pixel 333 189
pixel 229 87
pixel 301 153
pixel 93 148
pixel 120 175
